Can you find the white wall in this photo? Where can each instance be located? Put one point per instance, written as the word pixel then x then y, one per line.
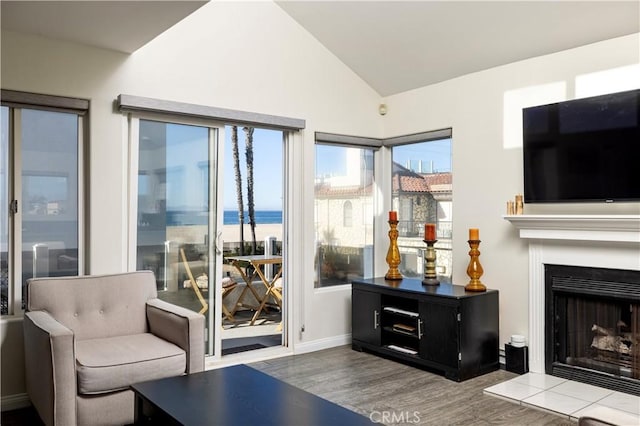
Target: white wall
pixel 238 55
pixel 253 57
pixel 484 109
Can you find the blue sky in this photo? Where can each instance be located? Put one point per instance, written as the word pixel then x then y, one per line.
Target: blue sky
pixel 268 165
pixel 437 151
pixel 268 169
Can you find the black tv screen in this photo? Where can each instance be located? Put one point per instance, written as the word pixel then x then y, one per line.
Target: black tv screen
pixel 583 150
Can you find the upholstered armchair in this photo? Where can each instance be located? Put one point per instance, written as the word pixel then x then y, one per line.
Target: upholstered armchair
pixel 87 339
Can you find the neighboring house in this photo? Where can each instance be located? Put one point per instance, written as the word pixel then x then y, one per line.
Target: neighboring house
pixel 422 198
pixel 344 214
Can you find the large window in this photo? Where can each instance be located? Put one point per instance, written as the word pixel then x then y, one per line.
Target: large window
pixel 343 214
pixel 41 187
pixel 422 193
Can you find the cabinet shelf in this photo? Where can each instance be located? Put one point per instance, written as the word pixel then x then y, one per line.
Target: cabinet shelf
pixel 402 312
pixel 401 332
pixel 403 350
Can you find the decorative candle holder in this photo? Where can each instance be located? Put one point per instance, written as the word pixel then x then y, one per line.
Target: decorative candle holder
pixel 474 270
pixel 430 277
pixel 519 205
pixel 393 255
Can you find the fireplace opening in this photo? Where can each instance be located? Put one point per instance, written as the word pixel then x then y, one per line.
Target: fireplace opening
pixel 592 326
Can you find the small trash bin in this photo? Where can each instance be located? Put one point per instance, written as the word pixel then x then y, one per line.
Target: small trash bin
pixel 517 358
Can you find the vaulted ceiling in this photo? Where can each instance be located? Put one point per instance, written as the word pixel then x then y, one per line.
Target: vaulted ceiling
pixel 394 46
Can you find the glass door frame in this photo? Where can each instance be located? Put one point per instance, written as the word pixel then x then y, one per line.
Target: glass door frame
pixel 213 347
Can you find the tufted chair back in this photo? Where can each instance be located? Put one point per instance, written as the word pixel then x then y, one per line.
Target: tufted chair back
pixel 96 306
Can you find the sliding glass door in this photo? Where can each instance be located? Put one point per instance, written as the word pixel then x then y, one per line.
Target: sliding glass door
pixel 176 211
pixel 210 252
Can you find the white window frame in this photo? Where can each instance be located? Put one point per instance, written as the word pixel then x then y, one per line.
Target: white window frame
pixel 215 134
pixel 17 102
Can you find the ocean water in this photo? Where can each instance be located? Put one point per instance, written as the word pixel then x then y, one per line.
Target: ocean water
pixel 183 218
pixel 262 217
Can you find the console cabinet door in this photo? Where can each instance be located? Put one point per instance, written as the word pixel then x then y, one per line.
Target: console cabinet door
pixel 440 339
pixel 365 317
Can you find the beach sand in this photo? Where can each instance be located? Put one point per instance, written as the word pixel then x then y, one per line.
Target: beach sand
pixel 231 233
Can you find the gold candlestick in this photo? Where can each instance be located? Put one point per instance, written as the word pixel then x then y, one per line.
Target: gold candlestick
pixel 430 277
pixel 393 255
pixel 474 270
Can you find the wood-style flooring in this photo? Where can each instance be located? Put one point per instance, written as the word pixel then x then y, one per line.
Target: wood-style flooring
pixel 387 390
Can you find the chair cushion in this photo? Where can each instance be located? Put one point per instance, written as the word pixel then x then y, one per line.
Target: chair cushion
pixel 114 363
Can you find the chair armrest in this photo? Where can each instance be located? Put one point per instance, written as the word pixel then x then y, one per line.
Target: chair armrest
pixel 49 351
pixel 180 326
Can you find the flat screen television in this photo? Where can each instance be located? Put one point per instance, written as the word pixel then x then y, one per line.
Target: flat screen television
pixel 584 150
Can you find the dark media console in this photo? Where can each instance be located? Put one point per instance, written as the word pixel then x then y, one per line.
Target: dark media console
pixel 442 328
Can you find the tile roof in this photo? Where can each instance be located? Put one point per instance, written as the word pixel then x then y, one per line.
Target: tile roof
pixel 404 180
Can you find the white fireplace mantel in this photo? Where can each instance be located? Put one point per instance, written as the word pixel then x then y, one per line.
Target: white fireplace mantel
pixel 607 241
pixel 622 228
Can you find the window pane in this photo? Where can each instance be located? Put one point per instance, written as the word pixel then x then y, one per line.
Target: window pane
pixel 267 170
pixel 4 218
pixel 173 210
pixel 422 193
pixel 253 226
pixel 49 200
pixel 343 214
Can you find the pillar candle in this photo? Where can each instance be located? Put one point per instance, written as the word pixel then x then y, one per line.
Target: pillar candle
pixel 393 215
pixel 474 234
pixel 429 231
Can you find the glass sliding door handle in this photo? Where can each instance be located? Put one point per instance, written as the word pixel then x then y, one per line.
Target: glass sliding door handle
pixel 217 243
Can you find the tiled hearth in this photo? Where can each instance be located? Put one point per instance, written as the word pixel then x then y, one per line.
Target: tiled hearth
pixel 600 241
pixel 569 398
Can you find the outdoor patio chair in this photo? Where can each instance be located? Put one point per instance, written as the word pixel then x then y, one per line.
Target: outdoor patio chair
pixel 228 284
pixel 194 283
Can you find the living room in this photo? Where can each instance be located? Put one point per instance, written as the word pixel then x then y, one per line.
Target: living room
pixel 255 57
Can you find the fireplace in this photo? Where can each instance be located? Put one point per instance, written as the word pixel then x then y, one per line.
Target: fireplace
pixel 596 241
pixel 592 326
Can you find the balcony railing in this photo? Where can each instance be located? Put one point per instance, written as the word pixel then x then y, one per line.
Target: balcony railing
pixel 414 228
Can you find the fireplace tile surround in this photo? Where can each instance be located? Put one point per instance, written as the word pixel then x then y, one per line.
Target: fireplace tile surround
pixel 600 241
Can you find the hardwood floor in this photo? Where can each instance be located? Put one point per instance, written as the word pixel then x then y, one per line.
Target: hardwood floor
pixel 400 394
pixel 389 392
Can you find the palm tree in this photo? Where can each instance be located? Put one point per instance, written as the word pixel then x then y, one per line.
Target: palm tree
pixel 236 167
pixel 250 203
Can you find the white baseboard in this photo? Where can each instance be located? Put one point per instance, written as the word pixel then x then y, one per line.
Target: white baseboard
pixel 318 345
pixel 14 402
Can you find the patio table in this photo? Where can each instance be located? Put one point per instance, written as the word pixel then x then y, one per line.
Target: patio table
pixel 256 261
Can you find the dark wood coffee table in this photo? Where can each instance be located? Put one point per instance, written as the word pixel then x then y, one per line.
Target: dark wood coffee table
pixel 238 395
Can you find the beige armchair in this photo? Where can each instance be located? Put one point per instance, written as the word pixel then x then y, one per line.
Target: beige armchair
pixel 87 339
